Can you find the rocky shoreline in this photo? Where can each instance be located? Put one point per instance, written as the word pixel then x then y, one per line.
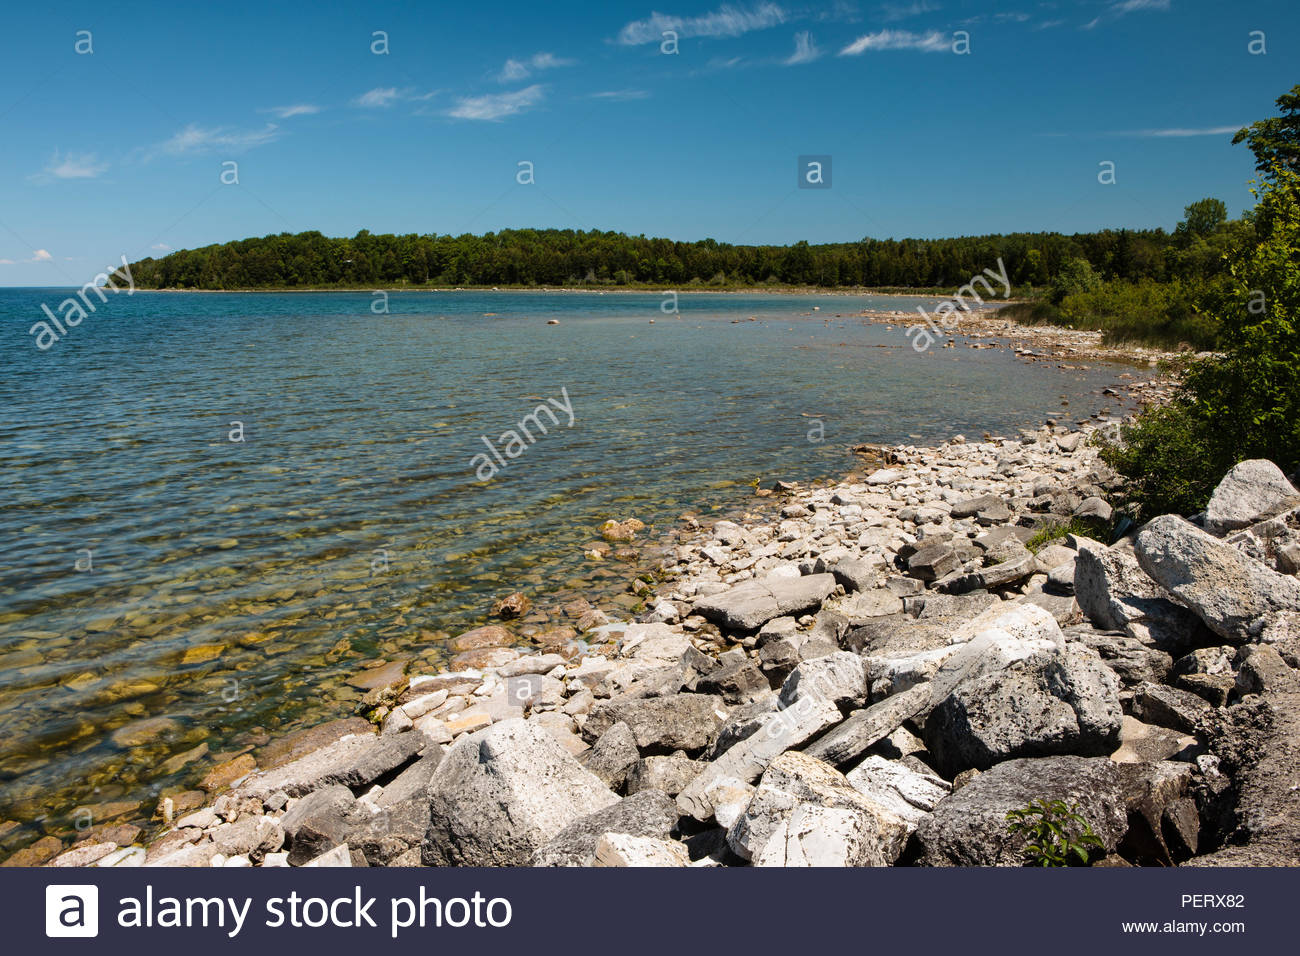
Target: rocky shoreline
pixel 875 673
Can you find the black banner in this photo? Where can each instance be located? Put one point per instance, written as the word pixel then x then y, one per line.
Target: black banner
pixel 337 910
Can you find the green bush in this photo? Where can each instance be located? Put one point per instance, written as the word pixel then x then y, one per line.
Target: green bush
pixel 1163 314
pixel 1076 275
pixel 1032 313
pixel 1245 402
pixel 1057 531
pixel 1058 834
pixel 1157 313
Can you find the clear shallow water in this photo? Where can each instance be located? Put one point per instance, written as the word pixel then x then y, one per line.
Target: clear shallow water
pixel 234 586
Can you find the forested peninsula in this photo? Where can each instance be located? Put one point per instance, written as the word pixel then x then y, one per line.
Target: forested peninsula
pixel 575 258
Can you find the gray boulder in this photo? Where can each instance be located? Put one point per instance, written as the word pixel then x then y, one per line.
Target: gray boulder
pixel 909 793
pixel 1236 597
pixel 664 724
pixel 839 678
pixel 1251 491
pixel 750 605
pixel 805 813
pixel 613 757
pixel 1053 702
pixel 649 813
pixel 320 821
pixel 501 793
pixel 668 774
pixel 1116 594
pixel 933 562
pixel 970 827
pixel 746 760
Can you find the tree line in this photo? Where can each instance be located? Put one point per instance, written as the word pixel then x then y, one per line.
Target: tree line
pixel 566 257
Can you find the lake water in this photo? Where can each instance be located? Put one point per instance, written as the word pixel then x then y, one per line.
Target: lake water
pixel 164 587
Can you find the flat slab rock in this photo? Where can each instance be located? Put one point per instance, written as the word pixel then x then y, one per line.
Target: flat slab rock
pixel 678 722
pixel 750 605
pixel 351 761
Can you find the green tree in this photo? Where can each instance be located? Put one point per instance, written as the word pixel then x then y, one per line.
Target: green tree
pixel 1076 275
pixel 1245 402
pixel 1276 141
pixel 1202 218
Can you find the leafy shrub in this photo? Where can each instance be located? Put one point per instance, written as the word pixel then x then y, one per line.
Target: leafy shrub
pixel 1058 834
pixel 1245 402
pixel 1156 313
pixel 1032 313
pixel 1085 527
pixel 1149 312
pixel 1076 275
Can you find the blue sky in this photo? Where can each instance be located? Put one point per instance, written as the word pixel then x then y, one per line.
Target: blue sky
pixel 120 151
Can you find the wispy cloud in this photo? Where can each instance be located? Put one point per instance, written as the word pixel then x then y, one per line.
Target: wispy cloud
pixel 621 95
pixel 495 106
pixel 382 97
pixel 198 139
pixel 805 50
pixel 161 247
pixel 1172 132
pixel 930 42
pixel 71 166
pixel 378 98
pixel 719 63
pixel 1182 131
pixel 41 255
pixel 1123 8
pixel 726 21
pixel 300 109
pixel 6 262
pixel 516 70
pixel 890 12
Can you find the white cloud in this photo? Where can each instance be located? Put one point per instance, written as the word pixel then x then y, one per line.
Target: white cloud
pixel 161 247
pixel 382 97
pixel 1128 6
pixel 197 139
pixel 300 109
pixel 1181 132
pixel 495 106
pixel 931 42
pixel 74 166
pixel 379 97
pixel 40 255
pixel 722 63
pixel 621 95
pixel 6 262
pixel 516 70
pixel 891 11
pixel 726 21
pixel 805 50
pixel 1125 7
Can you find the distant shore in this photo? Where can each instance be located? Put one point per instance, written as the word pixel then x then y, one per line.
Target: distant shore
pixel 621 290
